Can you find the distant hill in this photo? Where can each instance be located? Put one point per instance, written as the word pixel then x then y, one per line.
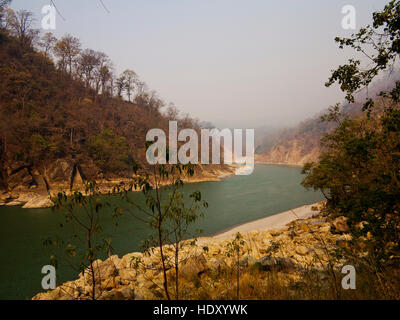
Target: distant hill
pixel 301 144
pixel 294 146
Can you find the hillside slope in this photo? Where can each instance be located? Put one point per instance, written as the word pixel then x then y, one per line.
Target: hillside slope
pixel 294 146
pixel 56 132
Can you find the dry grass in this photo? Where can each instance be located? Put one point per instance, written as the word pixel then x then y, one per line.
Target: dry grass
pixel 310 285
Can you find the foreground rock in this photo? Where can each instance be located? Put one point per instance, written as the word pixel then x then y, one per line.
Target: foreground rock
pixel 288 251
pixel 339 225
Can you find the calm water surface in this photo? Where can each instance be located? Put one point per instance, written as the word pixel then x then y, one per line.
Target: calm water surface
pixel 235 200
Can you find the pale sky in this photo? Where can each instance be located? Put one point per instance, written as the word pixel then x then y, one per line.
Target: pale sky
pixel 236 63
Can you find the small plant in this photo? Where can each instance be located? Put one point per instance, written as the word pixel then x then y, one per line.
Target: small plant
pixel 165 211
pixel 179 218
pixel 235 249
pixel 274 247
pixel 83 213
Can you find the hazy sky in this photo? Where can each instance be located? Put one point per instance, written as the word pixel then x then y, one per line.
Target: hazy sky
pixel 236 63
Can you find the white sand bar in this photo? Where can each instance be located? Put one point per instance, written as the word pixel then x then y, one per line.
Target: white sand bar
pixel 276 221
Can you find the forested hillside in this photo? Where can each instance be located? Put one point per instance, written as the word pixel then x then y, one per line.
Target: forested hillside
pixel 64 113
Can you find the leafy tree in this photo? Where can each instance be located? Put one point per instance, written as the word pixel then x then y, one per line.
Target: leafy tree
pixel 130 78
pixel 66 50
pixel 105 76
pixel 380 45
pixel 120 85
pixel 179 218
pixel 358 170
pixel 359 174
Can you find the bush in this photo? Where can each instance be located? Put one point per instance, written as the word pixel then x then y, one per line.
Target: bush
pixel 359 174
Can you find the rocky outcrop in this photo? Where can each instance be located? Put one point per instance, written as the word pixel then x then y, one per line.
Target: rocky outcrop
pixel 38 201
pixel 33 188
pixel 301 245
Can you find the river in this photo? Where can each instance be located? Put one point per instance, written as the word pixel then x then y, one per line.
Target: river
pixel 235 200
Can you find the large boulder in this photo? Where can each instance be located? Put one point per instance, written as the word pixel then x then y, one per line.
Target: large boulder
pixel 217 264
pixel 128 274
pixel 128 260
pixel 339 226
pixel 13 203
pixel 117 262
pixel 55 294
pixel 247 262
pixel 193 266
pixel 277 264
pixel 103 270
pixel 39 202
pixel 302 250
pixel 343 241
pixel 126 293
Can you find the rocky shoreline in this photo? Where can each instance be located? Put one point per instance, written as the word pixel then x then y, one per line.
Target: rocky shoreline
pixel 34 198
pixel 288 251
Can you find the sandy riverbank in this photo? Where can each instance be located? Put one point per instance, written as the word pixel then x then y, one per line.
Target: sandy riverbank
pixel 276 221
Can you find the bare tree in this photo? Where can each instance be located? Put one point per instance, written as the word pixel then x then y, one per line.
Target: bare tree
pixel 47 43
pixel 172 112
pixel 87 62
pixel 20 26
pixel 102 71
pixel 3 5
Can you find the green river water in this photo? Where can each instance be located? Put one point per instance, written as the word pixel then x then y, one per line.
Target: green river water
pixel 235 200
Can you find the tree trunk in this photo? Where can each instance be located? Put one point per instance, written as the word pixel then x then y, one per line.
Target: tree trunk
pixel 91 260
pixel 163 262
pixel 3 160
pixel 177 271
